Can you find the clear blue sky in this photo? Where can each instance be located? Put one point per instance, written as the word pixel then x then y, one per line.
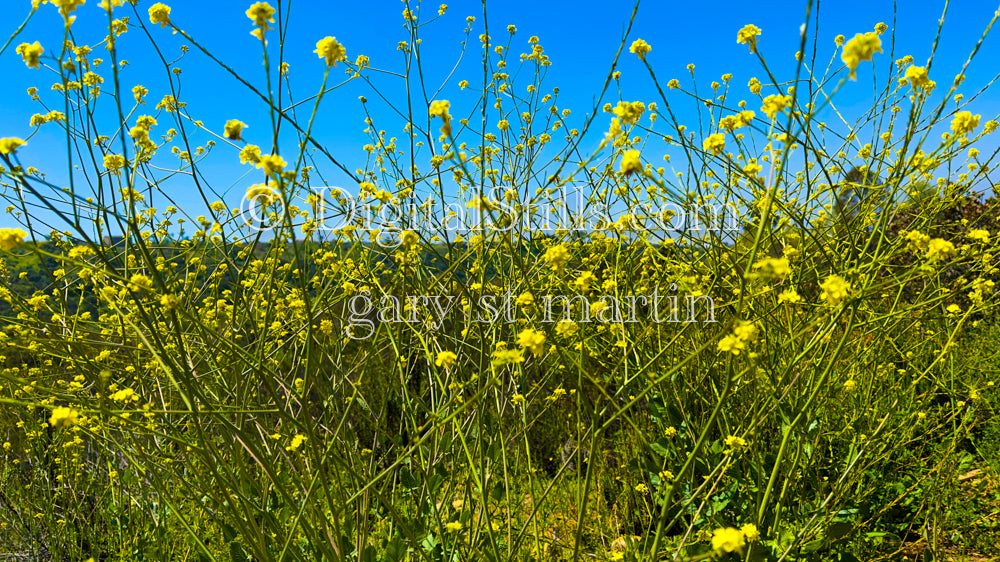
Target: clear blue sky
pixel 579 37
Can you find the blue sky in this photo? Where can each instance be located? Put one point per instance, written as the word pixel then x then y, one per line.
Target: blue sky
pixel 579 37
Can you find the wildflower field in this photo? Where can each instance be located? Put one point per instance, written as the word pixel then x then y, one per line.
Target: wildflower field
pixel 422 303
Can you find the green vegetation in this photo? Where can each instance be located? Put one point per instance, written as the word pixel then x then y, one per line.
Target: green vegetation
pixel 227 395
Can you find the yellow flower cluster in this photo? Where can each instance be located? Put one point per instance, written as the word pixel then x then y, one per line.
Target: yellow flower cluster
pixel 557 256
pixel 30 53
pixel 446 359
pixel 159 13
pixel 640 48
pixel 749 35
pixel 234 129
pixel 964 123
pixel 331 50
pixel 732 122
pixel 631 162
pixel 629 113
pixel 10 238
pixel 532 340
pixel 835 289
pixel 916 76
pixel 10 144
pixel 774 104
pixel 861 48
pixel 736 342
pixel 715 144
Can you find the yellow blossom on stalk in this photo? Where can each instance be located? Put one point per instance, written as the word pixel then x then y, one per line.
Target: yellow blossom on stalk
pixel 250 154
pixel 67 6
pixel 557 256
pixel 939 248
pixel 777 267
pixel 532 340
pixel 631 162
pixel 850 385
pixel 261 13
pixel 964 123
pixel 297 442
pixel 640 48
pixel 980 235
pixel 748 35
pixel 454 526
pixel 917 241
pixel 917 77
pixel 31 53
pixel 446 359
pixel 139 283
pixel 746 331
pixel 234 129
pixel 159 13
pixel 861 48
pixel 774 104
pixel 124 395
pixel 835 289
pixel 272 164
pixel 566 328
pixel 409 238
pixel 64 417
pixel 10 144
pixel 790 296
pixel 754 85
pixel 439 108
pixel 728 540
pixel 629 113
pixel 715 143
pixel 331 50
pixel 114 162
pixel 750 532
pixel 735 443
pixel 503 357
pixel 10 238
pixel 262 193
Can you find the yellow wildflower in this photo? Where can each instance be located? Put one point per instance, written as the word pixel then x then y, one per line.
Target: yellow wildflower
pixel 728 540
pixel 446 359
pixel 272 164
pixel 234 129
pixel 715 143
pixel 31 53
pixel 861 48
pixel 10 144
pixel 774 104
pixel 631 162
pixel 640 48
pixel 749 35
pixel 835 289
pixel 964 123
pixel 331 50
pixel 64 417
pixel 532 340
pixel 159 13
pixel 939 248
pixel 261 13
pixel 10 238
